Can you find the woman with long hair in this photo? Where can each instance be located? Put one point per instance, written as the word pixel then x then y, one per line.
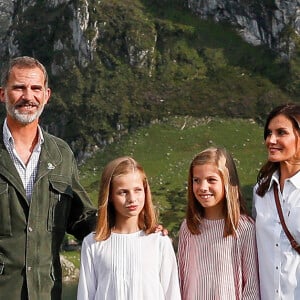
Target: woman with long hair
pixel 279 177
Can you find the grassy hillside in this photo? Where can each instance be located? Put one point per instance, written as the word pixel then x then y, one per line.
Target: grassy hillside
pixel 165 150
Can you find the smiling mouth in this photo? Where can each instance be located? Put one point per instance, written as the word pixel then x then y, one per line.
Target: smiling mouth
pixel 205 196
pixel 274 149
pixel 27 109
pixel 26 104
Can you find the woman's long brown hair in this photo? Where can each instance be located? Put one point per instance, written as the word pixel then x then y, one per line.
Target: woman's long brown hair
pixel 292 112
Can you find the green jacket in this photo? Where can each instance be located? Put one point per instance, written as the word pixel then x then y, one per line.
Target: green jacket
pixel 31 235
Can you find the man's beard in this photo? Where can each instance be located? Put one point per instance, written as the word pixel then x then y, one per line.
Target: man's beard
pixel 23 118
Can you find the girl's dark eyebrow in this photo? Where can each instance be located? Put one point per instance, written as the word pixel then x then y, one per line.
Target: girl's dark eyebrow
pixel 282 129
pixel 279 128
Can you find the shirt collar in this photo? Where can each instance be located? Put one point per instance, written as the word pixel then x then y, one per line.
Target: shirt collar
pixel 274 179
pixel 9 140
pixel 295 180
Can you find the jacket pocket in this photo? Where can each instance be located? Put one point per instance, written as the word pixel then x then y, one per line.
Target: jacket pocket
pixel 60 202
pixel 5 218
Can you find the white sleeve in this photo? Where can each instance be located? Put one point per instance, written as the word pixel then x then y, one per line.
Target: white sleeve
pixel 87 280
pixel 169 271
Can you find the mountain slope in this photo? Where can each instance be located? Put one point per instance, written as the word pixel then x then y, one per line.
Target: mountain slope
pixel 117 65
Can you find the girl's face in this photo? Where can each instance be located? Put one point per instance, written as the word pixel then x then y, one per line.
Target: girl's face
pixel 128 195
pixel 282 142
pixel 208 189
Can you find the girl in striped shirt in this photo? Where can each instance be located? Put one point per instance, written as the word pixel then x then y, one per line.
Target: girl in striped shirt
pixel 217 256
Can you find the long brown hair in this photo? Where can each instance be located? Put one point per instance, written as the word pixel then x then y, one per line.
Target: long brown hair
pixel 106 212
pixel 233 196
pixel 292 112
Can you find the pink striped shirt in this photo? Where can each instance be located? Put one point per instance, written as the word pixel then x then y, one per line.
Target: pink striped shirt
pixel 212 267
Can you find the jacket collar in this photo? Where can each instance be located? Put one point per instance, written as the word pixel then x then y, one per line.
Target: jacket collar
pixel 8 170
pixel 50 157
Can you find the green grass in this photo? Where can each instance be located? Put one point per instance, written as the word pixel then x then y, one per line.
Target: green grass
pixel 166 149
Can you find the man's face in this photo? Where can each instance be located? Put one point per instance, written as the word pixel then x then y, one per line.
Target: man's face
pixel 25 94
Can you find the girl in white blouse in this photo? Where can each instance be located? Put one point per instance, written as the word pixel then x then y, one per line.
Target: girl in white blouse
pixel 123 259
pixel 217 255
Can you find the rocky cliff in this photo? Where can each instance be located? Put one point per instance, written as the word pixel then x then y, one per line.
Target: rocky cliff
pixel 116 65
pixel 61 26
pixel 259 22
pixel 69 31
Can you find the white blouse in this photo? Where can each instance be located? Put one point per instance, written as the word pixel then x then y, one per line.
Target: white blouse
pixel 279 263
pixel 132 266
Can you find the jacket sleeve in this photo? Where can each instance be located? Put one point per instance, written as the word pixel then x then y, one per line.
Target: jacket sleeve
pixel 82 217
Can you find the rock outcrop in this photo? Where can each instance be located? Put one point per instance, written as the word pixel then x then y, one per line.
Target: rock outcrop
pixel 259 22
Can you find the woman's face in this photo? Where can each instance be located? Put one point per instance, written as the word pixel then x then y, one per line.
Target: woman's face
pixel 282 141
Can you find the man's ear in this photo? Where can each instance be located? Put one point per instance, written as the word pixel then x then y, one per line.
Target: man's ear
pixel 2 94
pixel 47 95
